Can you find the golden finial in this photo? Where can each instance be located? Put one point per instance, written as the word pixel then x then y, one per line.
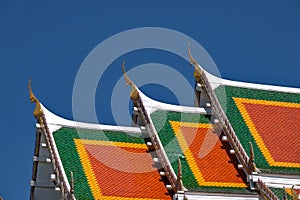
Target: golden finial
pixel 294 194
pixel 134 94
pixel 285 197
pixel 251 159
pixel 37 113
pixel 179 177
pixel 198 71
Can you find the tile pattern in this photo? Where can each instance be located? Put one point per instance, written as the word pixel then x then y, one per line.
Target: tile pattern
pixel 109 165
pixel 206 156
pixel 255 114
pixel 279 192
pixel 275 127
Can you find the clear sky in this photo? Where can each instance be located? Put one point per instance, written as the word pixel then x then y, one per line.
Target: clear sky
pixel 48 41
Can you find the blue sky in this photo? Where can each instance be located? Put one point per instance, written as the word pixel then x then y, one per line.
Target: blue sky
pixel 47 42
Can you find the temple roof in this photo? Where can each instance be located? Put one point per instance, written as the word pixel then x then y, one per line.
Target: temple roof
pixel 242 134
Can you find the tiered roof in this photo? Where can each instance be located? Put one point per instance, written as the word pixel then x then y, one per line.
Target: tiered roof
pixel 243 143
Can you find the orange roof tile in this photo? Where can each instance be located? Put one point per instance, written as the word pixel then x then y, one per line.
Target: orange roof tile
pixel 275 127
pixel 207 156
pixel 120 170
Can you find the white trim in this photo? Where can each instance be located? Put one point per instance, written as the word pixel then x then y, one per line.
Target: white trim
pixel 152 105
pixel 199 196
pixel 216 81
pixel 58 122
pixel 278 181
pixel 162 150
pixel 58 158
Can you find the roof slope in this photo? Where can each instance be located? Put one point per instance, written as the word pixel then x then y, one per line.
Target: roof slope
pixel 271 121
pixel 206 156
pixel 108 165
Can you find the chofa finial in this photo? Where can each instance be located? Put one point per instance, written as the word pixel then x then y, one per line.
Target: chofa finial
pixel 134 94
pixel 198 71
pixel 38 112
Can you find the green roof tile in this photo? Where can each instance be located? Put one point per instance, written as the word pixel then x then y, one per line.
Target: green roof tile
pixel 279 192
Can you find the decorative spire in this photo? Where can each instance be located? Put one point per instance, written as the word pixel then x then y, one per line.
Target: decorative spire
pixel 251 163
pixel 134 94
pixel 294 194
pixel 179 177
pixel 38 112
pixel 198 71
pixel 251 151
pixel 72 183
pixel 285 197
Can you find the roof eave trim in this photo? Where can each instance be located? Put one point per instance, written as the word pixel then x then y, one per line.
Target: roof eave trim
pixel 220 81
pixel 55 120
pixel 152 105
